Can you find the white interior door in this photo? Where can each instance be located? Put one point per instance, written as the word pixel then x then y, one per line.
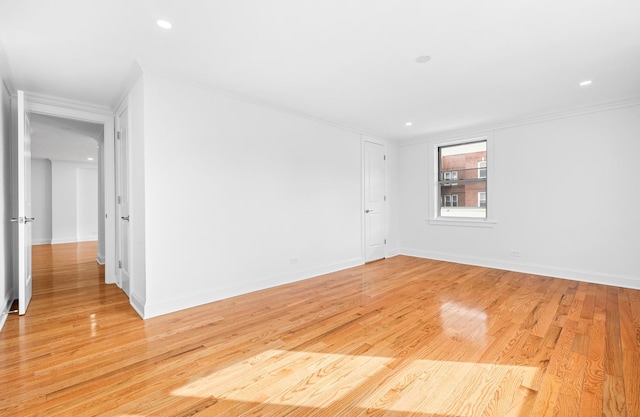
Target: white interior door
pixel 374 201
pixel 122 184
pixel 23 218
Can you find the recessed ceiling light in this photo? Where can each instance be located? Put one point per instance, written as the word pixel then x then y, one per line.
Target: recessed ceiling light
pixel 423 59
pixel 164 24
pixel 408 124
pixel 90 159
pixel 585 83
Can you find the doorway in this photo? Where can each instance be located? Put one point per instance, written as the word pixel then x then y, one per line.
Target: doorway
pixel 65 182
pixel 103 123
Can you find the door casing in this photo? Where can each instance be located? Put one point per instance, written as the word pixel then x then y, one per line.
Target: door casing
pixel 104 116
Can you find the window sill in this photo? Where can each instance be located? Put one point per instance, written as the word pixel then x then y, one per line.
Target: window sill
pixel 462 222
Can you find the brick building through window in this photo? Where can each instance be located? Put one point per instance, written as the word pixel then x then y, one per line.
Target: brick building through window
pixel 463 180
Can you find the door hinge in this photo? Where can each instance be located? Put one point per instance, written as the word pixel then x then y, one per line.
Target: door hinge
pixel 120 264
pixel 384 158
pixel 385 198
pixel 118 135
pixel 119 200
pixel 385 241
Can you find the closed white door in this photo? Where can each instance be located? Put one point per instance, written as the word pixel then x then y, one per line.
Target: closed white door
pixel 123 220
pixel 374 201
pixel 23 218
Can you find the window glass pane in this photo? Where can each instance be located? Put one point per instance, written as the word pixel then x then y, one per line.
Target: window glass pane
pixel 462 180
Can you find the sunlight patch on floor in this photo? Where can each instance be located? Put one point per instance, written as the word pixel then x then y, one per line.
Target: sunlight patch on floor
pixel 313 379
pixel 461 389
pixel 288 378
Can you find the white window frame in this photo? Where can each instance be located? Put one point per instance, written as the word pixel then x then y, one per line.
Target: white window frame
pixel 434 196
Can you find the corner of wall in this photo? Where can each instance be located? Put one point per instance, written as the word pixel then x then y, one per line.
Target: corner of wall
pixel 6 77
pixel 132 77
pixel 137 304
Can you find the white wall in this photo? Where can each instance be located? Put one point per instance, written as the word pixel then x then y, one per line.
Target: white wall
pixel 87 203
pixel 235 191
pixel 63 202
pixel 562 192
pixel 6 280
pixel 41 232
pixel 74 202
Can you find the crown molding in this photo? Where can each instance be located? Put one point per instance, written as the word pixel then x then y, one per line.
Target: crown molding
pixel 527 120
pixel 66 103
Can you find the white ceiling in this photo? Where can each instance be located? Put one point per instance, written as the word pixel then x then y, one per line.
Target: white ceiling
pixel 61 139
pixel 351 62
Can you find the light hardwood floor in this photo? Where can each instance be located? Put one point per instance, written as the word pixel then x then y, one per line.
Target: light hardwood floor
pixel 399 337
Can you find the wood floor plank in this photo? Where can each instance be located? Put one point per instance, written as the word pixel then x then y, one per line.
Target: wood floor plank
pixel 399 337
pixel 631 365
pixel 629 335
pixel 613 399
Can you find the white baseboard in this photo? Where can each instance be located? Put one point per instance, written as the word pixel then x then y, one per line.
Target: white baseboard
pixel 137 304
pixel 73 240
pixel 392 253
pixel 170 306
pixel 100 258
pixel 58 241
pixel 41 241
pixel 546 270
pixel 5 306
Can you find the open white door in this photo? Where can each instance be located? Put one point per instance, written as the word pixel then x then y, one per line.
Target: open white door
pixel 122 190
pixel 374 201
pixel 23 220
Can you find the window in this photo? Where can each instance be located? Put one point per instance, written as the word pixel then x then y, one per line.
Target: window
pixel 462 180
pixel 482 199
pixel 451 200
pixel 450 176
pixel 482 169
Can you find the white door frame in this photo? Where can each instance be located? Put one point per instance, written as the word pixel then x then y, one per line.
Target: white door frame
pixel 105 117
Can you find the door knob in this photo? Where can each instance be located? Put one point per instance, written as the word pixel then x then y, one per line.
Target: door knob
pixel 125 218
pixel 29 219
pixel 368 211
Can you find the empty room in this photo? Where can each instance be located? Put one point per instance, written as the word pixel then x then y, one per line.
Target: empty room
pixel 320 208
